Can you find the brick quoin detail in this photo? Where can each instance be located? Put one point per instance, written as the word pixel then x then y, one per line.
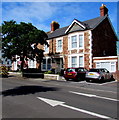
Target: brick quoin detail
pixel 86 50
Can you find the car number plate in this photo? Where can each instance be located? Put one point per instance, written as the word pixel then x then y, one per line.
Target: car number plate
pixel 91 74
pixel 69 73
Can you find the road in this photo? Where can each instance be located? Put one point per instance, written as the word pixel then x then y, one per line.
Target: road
pixel 38 98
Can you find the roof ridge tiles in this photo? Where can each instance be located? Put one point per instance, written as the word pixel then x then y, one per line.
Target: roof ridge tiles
pixel 89 24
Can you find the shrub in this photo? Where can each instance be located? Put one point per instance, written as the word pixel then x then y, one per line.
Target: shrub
pixel 48 72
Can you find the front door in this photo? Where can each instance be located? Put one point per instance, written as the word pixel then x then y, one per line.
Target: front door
pixel 59 62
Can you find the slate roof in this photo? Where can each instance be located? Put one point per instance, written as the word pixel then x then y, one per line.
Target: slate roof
pixel 89 24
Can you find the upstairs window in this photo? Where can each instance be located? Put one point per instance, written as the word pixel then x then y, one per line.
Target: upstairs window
pixel 80 41
pixel 59 45
pixel 74 41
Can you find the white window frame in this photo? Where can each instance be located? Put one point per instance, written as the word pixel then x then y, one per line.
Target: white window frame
pixel 75 55
pixel 57 46
pixel 77 34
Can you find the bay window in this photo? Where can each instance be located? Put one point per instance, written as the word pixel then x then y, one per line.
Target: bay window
pixel 76 41
pixel 74 61
pixel 80 61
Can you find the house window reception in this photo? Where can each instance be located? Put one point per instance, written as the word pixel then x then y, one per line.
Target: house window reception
pixel 76 61
pixel 46 64
pixel 80 61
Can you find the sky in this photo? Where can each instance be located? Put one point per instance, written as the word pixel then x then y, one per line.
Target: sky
pixel 41 14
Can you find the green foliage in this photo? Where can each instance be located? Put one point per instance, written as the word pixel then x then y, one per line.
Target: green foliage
pixel 48 72
pixel 18 38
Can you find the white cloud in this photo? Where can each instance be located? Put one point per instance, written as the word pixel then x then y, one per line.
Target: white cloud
pixel 29 12
pixel 43 27
pixel 39 13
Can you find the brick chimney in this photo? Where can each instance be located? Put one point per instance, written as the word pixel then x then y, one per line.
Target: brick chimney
pixel 103 10
pixel 54 26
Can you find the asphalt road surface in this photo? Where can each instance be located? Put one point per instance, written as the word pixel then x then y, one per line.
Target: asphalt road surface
pixel 39 98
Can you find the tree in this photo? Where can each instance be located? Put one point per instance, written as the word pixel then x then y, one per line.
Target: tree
pixel 17 39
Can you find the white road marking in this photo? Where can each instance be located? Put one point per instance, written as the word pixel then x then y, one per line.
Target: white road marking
pixel 101 83
pixel 54 103
pixel 91 95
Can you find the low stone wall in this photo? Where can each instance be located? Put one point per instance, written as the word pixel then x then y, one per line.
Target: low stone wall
pixel 53 77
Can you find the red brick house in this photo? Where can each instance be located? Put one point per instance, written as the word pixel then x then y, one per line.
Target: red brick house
pixel 88 44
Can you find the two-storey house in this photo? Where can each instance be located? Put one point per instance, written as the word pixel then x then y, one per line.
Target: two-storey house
pixel 88 44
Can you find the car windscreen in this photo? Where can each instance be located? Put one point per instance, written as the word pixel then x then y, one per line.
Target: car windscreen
pixel 94 70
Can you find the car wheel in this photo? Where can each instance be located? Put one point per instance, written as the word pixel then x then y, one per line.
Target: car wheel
pixel 101 79
pixel 112 78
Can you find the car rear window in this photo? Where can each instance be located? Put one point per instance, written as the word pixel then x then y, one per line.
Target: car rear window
pixel 81 70
pixel 70 70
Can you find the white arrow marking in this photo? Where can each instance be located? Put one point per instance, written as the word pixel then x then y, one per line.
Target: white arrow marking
pixel 90 95
pixel 54 103
pixel 51 102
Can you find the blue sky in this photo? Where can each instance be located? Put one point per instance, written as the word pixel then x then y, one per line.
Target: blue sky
pixel 41 14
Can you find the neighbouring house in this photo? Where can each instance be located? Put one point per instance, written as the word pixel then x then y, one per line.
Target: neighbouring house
pixel 89 44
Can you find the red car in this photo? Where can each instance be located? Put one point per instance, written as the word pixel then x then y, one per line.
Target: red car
pixel 76 74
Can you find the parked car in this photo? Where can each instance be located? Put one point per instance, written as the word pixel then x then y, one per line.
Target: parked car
pixel 100 74
pixel 76 74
